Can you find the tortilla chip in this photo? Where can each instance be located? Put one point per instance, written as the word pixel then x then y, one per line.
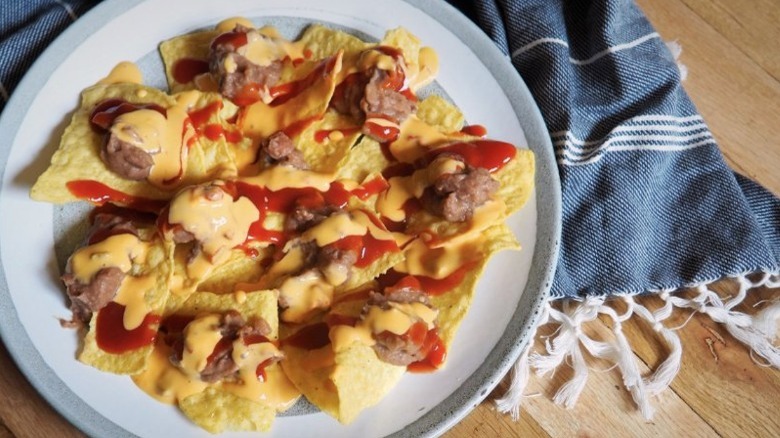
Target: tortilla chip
pixel 194 46
pixel 218 411
pixel 327 154
pixel 322 42
pixel 364 159
pixel 403 40
pixel 239 268
pixel 454 305
pixel 134 361
pixel 517 180
pixel 221 406
pixel 438 112
pixel 250 304
pixel 438 231
pixel 344 384
pixel 78 156
pixel 260 120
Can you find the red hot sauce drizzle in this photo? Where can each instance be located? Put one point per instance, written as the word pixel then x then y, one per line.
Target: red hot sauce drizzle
pixel 475 130
pixel 104 113
pixel 186 69
pixel 284 201
pixel 491 155
pixel 213 131
pixel 111 335
pixel 99 194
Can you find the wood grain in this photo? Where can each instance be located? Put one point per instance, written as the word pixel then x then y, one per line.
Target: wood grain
pixel 732 51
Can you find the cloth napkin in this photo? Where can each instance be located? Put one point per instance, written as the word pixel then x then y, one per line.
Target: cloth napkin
pixel 649 206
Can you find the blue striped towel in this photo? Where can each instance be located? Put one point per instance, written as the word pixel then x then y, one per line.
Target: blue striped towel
pixel 648 203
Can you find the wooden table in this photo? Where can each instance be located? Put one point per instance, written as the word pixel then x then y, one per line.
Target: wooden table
pixel 732 51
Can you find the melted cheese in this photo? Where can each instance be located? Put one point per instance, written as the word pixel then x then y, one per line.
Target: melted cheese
pixel 168 384
pixel 229 24
pixel 200 337
pixel 415 139
pixel 120 250
pixel 218 224
pixel 165 382
pixel 239 296
pixel 143 128
pixel 390 203
pixel 132 294
pixel 305 294
pixel 343 336
pixel 126 252
pixel 439 262
pixel 292 261
pixel 335 227
pixel 427 69
pixel 126 72
pixel 260 120
pixel 281 177
pixel 277 391
pixel 163 137
pixel 398 319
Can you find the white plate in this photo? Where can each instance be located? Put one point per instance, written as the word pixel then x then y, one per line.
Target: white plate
pixel 474 75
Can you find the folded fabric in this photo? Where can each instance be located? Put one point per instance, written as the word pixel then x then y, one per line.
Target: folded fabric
pixel 649 205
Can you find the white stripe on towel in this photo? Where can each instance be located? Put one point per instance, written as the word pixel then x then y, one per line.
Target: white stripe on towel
pixel 662 148
pixel 68 9
pixel 644 118
pixel 637 140
pixel 593 58
pixel 571 139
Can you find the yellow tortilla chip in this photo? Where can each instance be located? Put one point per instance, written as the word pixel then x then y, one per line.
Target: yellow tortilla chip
pixel 326 142
pixel 323 42
pixel 344 384
pixel 517 180
pixel 403 40
pixel 192 46
pixel 438 231
pixel 364 159
pixel 157 272
pixel 228 406
pixel 441 114
pixel 250 304
pixel 260 120
pixel 218 411
pixel 239 268
pixel 78 156
pixel 454 305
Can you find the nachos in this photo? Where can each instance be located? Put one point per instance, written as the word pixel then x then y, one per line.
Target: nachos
pixel 289 218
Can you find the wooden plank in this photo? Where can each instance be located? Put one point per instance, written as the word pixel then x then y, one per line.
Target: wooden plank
pixel 604 408
pixel 739 22
pixel 717 379
pixel 739 100
pixel 23 412
pixel 5 433
pixel 485 421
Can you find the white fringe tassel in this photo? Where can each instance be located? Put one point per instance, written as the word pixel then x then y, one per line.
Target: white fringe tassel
pixel 676 50
pixel 758 331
